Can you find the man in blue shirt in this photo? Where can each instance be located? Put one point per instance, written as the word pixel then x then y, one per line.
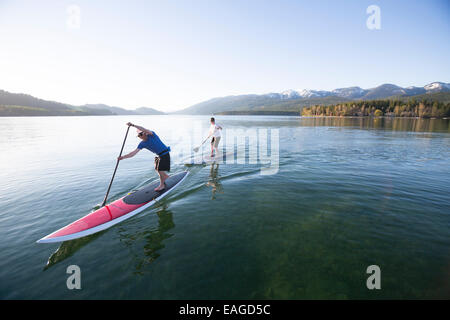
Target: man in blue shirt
pixel 151 141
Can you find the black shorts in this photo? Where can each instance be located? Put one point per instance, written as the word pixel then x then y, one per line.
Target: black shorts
pixel 215 141
pixel 162 163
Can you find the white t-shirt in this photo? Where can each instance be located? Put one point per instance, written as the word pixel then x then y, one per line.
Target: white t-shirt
pixel 214 130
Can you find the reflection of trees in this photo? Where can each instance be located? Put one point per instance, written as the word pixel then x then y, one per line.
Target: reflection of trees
pixel 214 181
pixel 153 240
pixel 390 108
pixel 386 123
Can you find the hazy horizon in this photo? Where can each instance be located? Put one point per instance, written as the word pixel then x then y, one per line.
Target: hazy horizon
pixel 160 109
pixel 173 54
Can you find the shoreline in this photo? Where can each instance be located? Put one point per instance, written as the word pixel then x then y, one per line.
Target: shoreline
pixel 373 117
pixel 289 114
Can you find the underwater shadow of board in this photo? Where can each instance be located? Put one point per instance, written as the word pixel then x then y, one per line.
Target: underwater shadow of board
pixel 68 248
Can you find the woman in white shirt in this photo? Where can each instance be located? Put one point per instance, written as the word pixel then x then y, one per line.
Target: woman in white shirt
pixel 214 131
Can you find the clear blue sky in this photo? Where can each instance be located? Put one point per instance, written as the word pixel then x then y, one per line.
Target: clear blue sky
pixel 172 54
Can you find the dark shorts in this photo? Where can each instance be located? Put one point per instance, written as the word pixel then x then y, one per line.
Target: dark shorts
pixel 215 141
pixel 162 163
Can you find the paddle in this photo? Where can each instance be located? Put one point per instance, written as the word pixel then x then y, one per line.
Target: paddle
pixel 117 164
pixel 196 148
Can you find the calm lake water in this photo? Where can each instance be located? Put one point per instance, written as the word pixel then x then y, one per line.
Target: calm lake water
pixel 343 194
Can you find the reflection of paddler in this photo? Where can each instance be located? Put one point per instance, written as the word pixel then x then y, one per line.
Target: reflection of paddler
pixel 151 142
pixel 214 181
pixel 153 240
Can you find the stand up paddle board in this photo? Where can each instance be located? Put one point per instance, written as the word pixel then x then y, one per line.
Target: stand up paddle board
pixel 115 212
pixel 218 158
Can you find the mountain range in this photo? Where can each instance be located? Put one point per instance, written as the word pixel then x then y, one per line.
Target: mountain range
pixel 286 102
pixel 383 91
pixel 291 101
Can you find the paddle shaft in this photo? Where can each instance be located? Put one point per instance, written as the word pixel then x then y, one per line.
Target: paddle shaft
pixel 196 149
pixel 115 169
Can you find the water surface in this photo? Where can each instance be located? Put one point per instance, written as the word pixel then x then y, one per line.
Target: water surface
pixel 348 193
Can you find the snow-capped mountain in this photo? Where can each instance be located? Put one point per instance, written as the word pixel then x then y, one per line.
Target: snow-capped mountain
pixel 437 87
pixel 384 91
pixel 314 93
pixel 350 93
pixel 273 95
pixel 380 92
pixel 412 91
pixel 290 94
pixel 295 94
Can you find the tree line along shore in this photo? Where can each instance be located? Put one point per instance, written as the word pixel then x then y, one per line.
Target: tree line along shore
pixel 378 108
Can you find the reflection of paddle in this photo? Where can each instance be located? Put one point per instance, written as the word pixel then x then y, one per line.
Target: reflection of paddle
pixel 117 164
pixel 196 148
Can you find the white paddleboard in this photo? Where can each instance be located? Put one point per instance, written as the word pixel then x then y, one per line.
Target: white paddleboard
pixel 206 158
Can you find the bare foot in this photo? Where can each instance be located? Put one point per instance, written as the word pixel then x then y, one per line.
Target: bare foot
pixel 161 187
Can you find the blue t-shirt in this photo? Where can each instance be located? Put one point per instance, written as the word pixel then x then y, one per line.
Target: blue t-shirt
pixel 154 144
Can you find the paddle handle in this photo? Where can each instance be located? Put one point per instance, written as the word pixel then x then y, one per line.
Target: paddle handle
pixel 115 169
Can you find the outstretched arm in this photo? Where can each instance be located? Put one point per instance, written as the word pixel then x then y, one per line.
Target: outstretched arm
pixel 140 128
pixel 131 154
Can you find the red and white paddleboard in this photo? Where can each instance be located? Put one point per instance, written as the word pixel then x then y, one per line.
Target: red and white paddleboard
pixel 114 212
